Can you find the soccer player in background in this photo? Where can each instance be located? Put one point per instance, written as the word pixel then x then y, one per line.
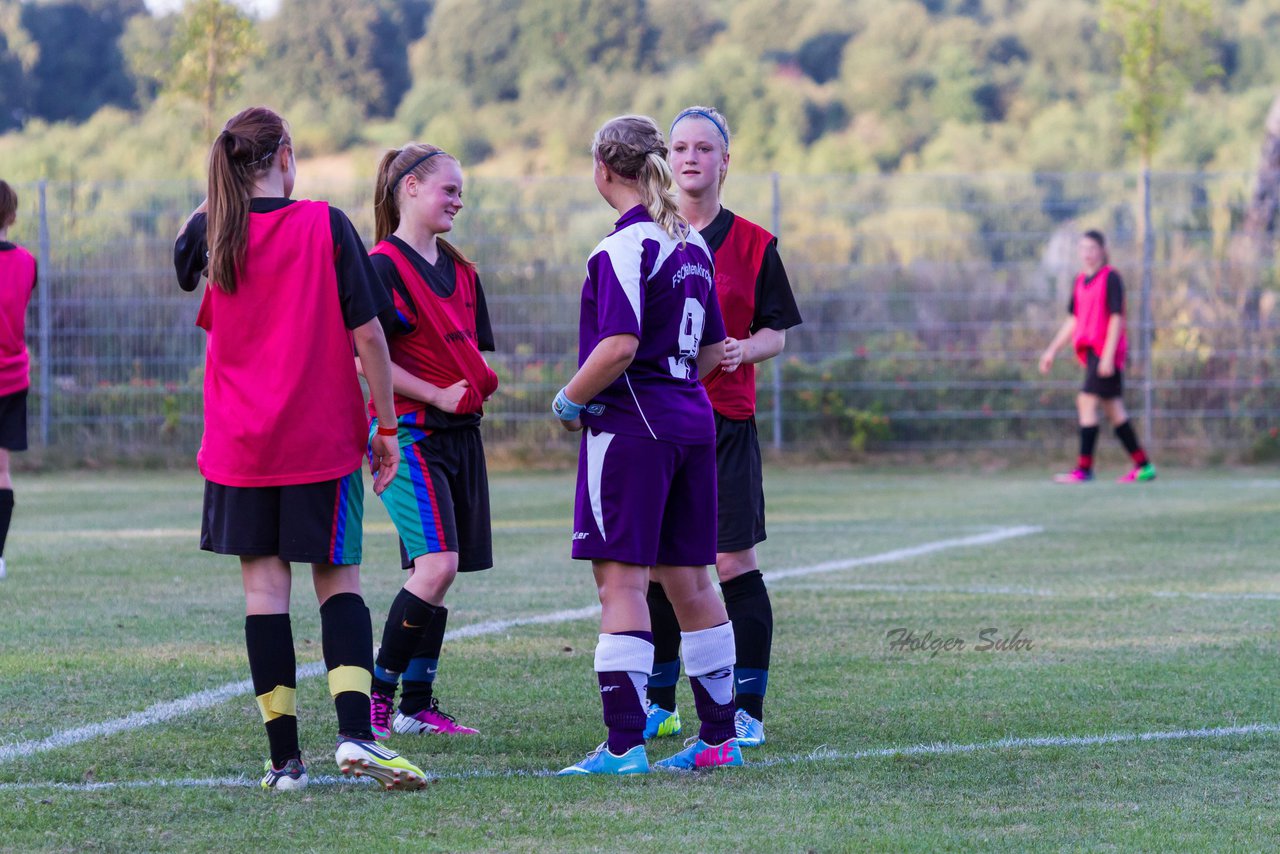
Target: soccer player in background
pixel 758 307
pixel 1096 328
pixel 290 290
pixel 646 494
pixel 439 499
pixel 17 281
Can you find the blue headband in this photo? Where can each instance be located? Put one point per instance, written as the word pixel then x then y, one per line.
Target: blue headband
pixel 704 114
pixel 414 165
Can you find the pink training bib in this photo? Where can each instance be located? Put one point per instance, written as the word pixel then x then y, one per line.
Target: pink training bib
pixel 282 401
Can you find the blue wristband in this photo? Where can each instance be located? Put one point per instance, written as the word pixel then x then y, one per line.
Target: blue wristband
pixel 564 408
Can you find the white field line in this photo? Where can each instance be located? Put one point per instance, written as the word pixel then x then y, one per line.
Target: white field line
pixel 976 589
pixel 200 700
pixel 997 590
pixel 996 536
pixel 821 754
pixel 1226 597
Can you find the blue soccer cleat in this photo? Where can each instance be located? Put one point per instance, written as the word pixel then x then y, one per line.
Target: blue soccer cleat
pixel 659 723
pixel 601 761
pixel 698 754
pixel 750 731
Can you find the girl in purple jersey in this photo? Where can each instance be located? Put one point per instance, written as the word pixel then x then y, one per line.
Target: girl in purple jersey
pixel 758 307
pixel 646 495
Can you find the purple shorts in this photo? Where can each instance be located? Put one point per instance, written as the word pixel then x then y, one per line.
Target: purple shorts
pixel 645 501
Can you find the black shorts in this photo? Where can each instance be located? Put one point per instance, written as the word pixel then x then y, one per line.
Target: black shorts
pixel 739 485
pixel 439 500
pixel 1107 388
pixel 307 523
pixel 13 421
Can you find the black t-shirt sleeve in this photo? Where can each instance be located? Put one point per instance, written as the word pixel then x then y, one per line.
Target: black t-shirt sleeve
pixel 191 253
pixel 360 290
pixel 394 321
pixel 484 328
pixel 775 302
pixel 1115 293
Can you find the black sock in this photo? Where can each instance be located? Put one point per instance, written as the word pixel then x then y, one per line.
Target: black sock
pixel 347 637
pixel 269 639
pixel 1129 439
pixel 1088 441
pixel 407 619
pixel 6 516
pixel 666 649
pixel 746 599
pixel 419 678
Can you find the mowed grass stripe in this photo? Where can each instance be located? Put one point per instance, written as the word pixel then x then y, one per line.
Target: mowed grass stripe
pixel 820 755
pixel 192 703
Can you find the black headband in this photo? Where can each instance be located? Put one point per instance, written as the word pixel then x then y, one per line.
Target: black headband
pixel 414 165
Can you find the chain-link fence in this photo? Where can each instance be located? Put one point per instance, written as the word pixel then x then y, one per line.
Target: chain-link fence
pixel 927 300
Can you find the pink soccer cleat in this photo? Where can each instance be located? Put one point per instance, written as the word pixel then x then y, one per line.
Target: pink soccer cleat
pixel 380 706
pixel 430 721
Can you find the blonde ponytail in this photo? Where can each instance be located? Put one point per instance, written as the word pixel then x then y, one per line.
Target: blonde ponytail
pixel 633 148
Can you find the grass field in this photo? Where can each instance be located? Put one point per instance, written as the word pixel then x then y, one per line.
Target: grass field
pixel 1150 611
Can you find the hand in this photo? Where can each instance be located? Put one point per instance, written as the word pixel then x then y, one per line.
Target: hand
pixel 384 461
pixel 1106 367
pixel 573 426
pixel 1046 362
pixel 450 398
pixel 734 352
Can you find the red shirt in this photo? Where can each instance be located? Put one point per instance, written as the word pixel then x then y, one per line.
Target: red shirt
pixel 737 261
pixel 282 401
pixel 442 346
pixel 17 278
pixel 1090 305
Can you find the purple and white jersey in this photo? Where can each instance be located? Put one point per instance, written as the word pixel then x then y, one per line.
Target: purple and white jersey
pixel 642 282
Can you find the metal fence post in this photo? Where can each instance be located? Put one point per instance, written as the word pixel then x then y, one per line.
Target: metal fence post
pixel 45 319
pixel 777 362
pixel 1147 319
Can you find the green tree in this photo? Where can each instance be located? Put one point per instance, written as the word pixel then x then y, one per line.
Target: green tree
pixel 79 67
pixel 213 42
pixel 18 55
pixel 147 45
pixel 582 36
pixel 474 43
pixel 335 49
pixel 1164 54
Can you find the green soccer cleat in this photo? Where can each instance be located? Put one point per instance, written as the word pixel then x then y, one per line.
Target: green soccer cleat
pixel 1139 474
pixel 659 723
pixel 370 759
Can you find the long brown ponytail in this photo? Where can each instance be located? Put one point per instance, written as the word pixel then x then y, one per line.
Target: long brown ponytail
pixel 416 159
pixel 632 147
pixel 244 150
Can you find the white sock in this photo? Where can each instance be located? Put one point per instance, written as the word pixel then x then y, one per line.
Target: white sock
pixel 709 657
